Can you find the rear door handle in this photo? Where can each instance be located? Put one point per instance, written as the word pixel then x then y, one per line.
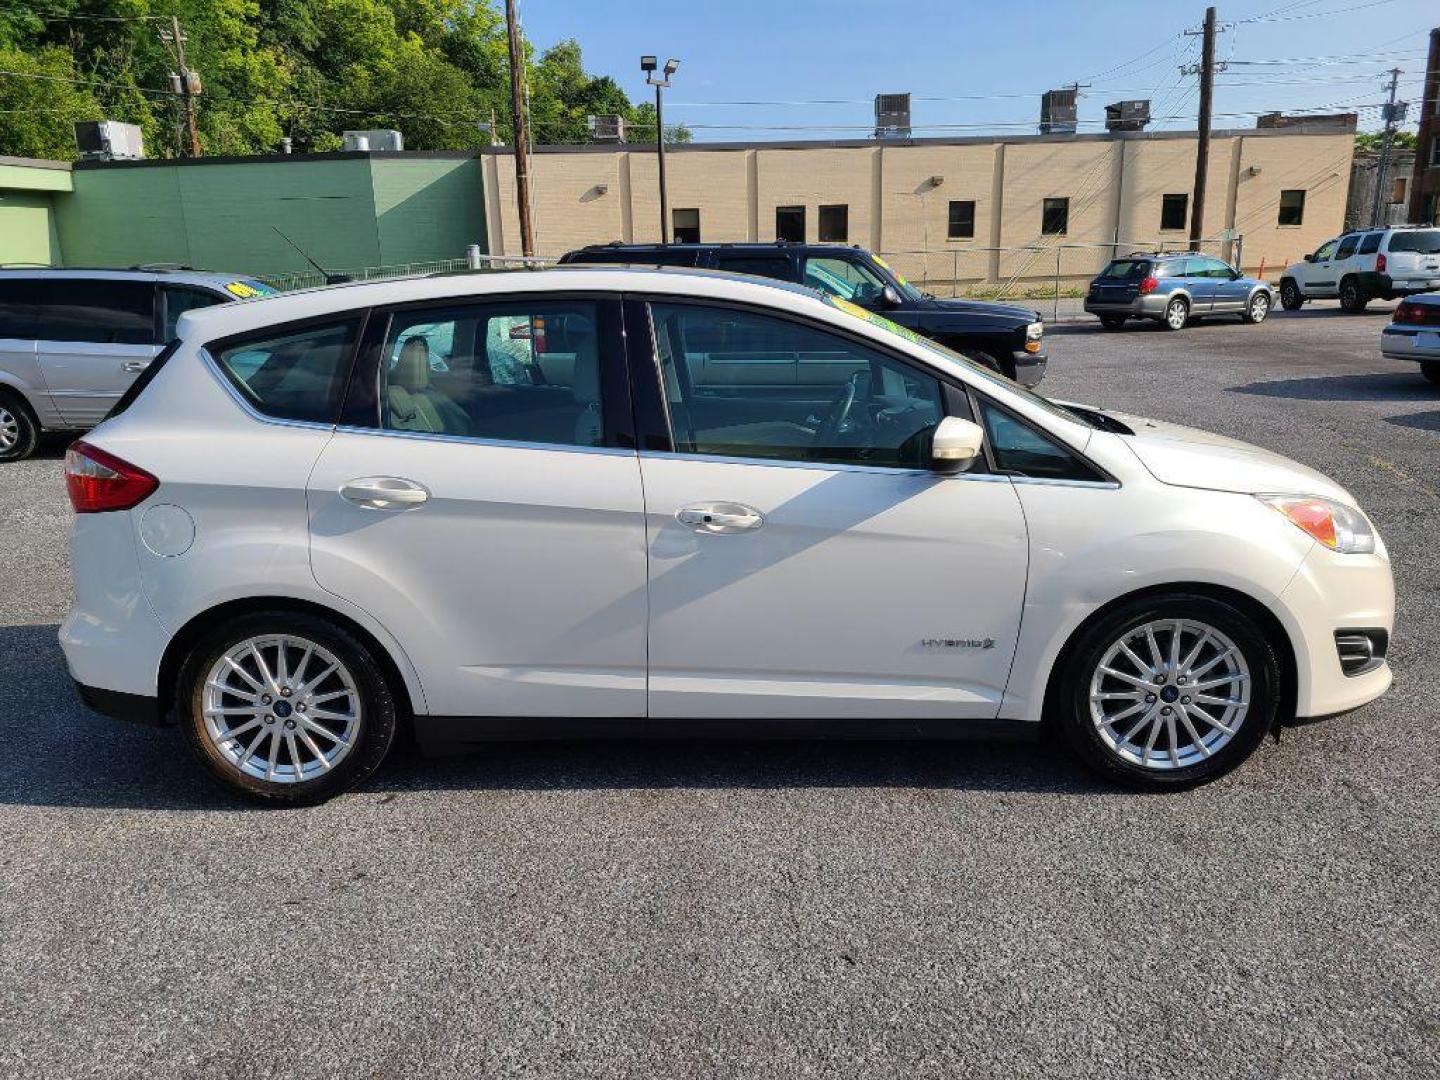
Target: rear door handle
pixel 720 517
pixel 384 493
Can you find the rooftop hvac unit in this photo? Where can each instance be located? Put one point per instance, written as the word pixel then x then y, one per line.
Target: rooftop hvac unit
pixel 1057 112
pixel 1127 116
pixel 109 140
pixel 380 140
pixel 606 129
pixel 892 116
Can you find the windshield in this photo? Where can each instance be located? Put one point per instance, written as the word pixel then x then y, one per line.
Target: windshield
pixel 981 372
pixel 903 287
pixel 1423 241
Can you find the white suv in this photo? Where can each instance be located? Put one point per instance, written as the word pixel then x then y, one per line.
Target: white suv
pixel 1366 265
pixel 590 500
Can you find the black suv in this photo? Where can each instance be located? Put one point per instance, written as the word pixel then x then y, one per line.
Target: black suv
pixel 1006 338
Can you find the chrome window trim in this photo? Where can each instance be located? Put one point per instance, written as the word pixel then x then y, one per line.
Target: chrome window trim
pixel 475 440
pixel 822 466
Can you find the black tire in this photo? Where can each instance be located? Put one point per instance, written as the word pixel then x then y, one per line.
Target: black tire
pixel 1352 296
pixel 1291 298
pixel 1431 371
pixel 19 430
pixel 1172 322
pixel 1069 697
pixel 1113 322
pixel 376 711
pixel 1255 312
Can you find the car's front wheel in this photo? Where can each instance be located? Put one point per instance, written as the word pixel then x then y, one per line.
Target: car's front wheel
pixel 1167 692
pixel 1258 308
pixel 1177 314
pixel 285 707
pixel 19 432
pixel 1290 296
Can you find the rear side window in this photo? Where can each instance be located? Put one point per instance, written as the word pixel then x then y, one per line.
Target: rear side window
pixel 99 311
pixel 180 299
pixel 1128 269
pixel 1371 243
pixel 1424 241
pixel 769 266
pixel 299 375
pixel 17 309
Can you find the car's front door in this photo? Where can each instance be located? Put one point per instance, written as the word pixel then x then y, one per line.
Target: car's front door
pixel 1229 293
pixel 804 563
pixel 95 337
pixel 1321 278
pixel 478 505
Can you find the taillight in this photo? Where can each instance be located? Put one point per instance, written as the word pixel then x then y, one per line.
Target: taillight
pixel 1149 285
pixel 1380 263
pixel 1407 313
pixel 97 481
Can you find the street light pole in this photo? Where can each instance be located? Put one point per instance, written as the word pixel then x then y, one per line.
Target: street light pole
pixel 648 65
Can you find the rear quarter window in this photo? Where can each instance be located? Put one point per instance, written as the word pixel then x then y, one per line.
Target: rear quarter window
pixel 295 375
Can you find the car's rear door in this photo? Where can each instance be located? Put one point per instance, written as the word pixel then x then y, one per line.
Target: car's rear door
pixel 804 563
pixel 480 500
pixel 95 336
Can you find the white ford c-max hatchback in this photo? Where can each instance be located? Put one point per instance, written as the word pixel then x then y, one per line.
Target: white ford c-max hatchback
pixel 606 499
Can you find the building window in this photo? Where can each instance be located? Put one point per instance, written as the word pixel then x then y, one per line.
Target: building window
pixel 1435 152
pixel 790 224
pixel 1055 220
pixel 834 224
pixel 1397 191
pixel 1292 207
pixel 686 228
pixel 962 220
pixel 1173 209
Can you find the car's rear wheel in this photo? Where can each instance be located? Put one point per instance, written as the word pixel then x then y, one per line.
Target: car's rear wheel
pixel 1177 314
pixel 1258 308
pixel 19 433
pixel 1352 297
pixel 1431 371
pixel 285 707
pixel 1113 322
pixel 1290 296
pixel 1168 692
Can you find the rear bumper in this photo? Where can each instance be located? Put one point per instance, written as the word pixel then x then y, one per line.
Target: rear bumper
pixel 133 708
pixel 1405 343
pixel 1388 285
pixel 1149 306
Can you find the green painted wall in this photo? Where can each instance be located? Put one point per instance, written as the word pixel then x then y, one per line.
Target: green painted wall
pixel 27 228
pixel 347 212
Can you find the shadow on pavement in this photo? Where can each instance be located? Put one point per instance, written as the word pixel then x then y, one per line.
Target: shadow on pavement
pixel 1379 386
pixel 1425 421
pixel 58 753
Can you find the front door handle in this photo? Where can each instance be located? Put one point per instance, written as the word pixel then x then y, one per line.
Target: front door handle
pixel 720 517
pixel 384 493
pixel 134 367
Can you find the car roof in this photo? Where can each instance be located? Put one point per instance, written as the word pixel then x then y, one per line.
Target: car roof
pixel 173 275
pixel 226 319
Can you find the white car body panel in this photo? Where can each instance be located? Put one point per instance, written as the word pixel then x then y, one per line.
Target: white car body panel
pixel 538 578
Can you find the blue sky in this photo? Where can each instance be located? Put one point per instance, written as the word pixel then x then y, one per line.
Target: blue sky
pixel 995 57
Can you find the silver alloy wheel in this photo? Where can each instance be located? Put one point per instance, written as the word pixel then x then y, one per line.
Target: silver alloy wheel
pixel 1259 307
pixel 9 429
pixel 1169 694
pixel 281 709
pixel 1175 315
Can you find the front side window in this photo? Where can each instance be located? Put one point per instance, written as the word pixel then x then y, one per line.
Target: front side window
pixel 1325 250
pixel 1173 209
pixel 686 229
pixel 99 311
pixel 180 299
pixel 845 278
pixel 790 224
pixel 834 224
pixel 527 371
pixel 962 220
pixel 1292 207
pixel 1055 217
pixel 294 376
pixel 1209 267
pixel 743 384
pixel 1347 247
pixel 1020 450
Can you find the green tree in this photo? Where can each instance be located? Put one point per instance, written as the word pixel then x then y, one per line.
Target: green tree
pixel 1370 141
pixel 37 114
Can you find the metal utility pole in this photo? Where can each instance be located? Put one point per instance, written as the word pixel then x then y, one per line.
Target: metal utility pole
pixel 1393 116
pixel 522 131
pixel 648 65
pixel 1202 149
pixel 175 37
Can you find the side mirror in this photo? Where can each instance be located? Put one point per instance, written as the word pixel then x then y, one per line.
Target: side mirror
pixel 956 445
pixel 1235 275
pixel 889 297
pixel 1310 257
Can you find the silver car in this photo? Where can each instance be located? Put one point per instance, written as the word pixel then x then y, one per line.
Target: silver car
pixel 73 341
pixel 1174 289
pixel 1414 334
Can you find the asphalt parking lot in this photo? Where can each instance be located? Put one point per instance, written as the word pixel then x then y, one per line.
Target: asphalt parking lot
pixel 755 910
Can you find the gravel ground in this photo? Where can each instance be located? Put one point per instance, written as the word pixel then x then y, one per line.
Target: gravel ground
pixel 755 910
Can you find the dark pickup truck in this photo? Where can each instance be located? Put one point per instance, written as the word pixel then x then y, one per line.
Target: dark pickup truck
pixel 1007 338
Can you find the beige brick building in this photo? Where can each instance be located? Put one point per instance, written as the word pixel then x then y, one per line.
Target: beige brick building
pixel 968 210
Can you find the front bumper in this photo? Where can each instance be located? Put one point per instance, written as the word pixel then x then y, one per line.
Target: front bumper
pixel 1411 343
pixel 1029 367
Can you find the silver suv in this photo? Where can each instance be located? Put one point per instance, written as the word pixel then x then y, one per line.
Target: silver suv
pixel 72 341
pixel 1365 265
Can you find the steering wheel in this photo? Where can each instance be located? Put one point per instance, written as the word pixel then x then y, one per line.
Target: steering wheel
pixel 839 411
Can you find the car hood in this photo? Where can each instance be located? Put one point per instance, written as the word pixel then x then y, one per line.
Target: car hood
pixel 1189 457
pixel 1011 312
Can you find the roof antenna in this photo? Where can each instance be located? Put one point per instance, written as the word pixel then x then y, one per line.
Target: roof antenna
pixel 330 279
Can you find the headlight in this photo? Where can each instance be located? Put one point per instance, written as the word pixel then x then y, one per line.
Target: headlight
pixel 1339 527
pixel 1035 331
